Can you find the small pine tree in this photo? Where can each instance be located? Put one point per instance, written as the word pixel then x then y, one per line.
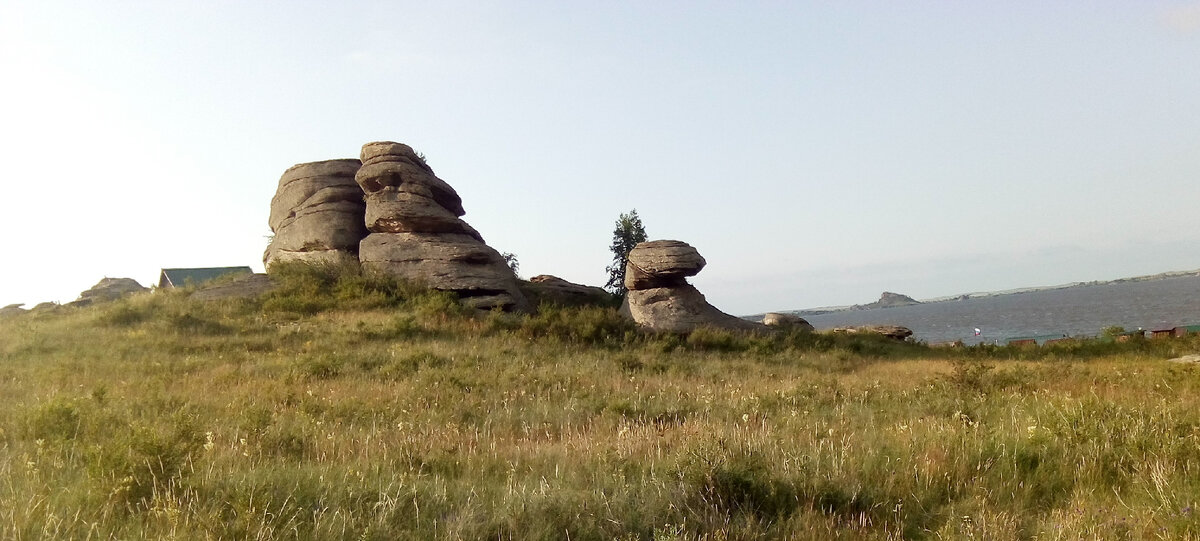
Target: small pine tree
pixel 628 233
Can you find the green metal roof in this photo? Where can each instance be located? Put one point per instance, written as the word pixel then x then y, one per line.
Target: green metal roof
pixel 183 277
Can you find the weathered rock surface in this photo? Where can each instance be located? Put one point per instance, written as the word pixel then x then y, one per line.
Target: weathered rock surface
pixel 416 232
pixel 680 309
pixel 244 287
pixel 13 310
pixel 659 297
pixel 661 263
pixel 894 332
pixel 317 213
pixel 48 306
pixel 786 321
pixel 109 289
pixel 547 289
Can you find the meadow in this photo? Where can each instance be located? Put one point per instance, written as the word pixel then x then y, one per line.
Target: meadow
pixel 348 406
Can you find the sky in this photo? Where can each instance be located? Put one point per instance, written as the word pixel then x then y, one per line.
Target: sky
pixel 815 153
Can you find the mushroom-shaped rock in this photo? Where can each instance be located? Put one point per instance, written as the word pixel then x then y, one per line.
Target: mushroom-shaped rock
pixel 659 297
pixel 786 321
pixel 661 263
pixel 317 213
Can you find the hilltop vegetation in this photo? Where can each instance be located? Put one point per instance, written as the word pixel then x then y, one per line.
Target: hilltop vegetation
pixel 349 406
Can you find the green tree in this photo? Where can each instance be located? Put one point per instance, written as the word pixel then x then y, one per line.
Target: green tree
pixel 628 233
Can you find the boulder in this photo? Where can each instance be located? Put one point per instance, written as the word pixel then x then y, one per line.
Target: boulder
pixel 680 309
pixel 416 233
pixel 546 289
pixel 109 289
pixel 659 297
pixel 1186 359
pixel 43 307
pixel 894 332
pixel 786 321
pixel 317 213
pixel 13 310
pixel 661 263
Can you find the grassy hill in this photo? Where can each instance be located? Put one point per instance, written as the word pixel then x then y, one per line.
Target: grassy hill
pixel 347 406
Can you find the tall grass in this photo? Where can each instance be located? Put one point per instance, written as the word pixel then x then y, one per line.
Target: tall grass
pixel 343 405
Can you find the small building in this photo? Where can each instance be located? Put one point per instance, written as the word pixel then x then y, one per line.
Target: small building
pixel 1030 341
pixel 1023 342
pixel 1184 330
pixel 1162 333
pixel 170 278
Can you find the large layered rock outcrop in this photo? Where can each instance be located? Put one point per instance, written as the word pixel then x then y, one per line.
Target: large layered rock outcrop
pixel 317 214
pixel 659 297
pixel 416 233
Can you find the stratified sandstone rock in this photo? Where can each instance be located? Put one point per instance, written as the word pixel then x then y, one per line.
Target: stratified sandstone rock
pixel 680 309
pixel 317 214
pixel 109 289
pixel 786 321
pixel 416 232
pixel 546 289
pixel 659 297
pixel 661 263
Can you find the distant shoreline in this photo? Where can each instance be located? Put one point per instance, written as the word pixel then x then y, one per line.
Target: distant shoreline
pixel 986 294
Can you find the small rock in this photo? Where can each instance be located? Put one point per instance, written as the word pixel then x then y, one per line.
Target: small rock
pixel 1186 359
pixel 775 319
pixel 894 332
pixel 547 289
pixel 109 289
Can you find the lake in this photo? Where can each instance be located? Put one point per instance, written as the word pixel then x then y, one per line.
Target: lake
pixel 1074 311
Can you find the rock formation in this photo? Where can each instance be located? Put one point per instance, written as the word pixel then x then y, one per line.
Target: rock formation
pixel 786 321
pixel 109 289
pixel 243 287
pixel 317 214
pixel 546 289
pixel 659 297
pixel 888 300
pixel 894 332
pixel 13 310
pixel 416 232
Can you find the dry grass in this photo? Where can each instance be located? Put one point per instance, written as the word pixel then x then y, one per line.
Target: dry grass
pixel 402 418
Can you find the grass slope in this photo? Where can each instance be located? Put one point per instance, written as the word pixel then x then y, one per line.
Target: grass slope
pixel 345 406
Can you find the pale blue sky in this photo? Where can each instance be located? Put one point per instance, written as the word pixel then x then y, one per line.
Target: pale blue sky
pixel 816 153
